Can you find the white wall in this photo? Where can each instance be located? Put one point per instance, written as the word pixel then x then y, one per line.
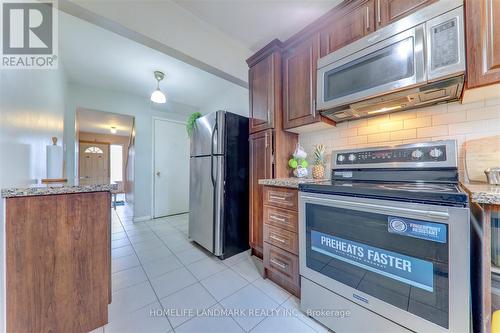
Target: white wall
pixel 176 28
pixel 234 100
pixel 31 112
pixel 140 108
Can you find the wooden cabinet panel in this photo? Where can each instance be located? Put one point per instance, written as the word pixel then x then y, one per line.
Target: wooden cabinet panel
pixel 389 11
pixel 483 42
pixel 260 168
pixel 299 83
pixel 284 239
pixel 282 218
pixel 281 197
pixel 282 262
pixel 58 261
pixel 354 22
pixel 261 83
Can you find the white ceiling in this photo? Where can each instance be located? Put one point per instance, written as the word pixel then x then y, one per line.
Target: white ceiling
pixel 99 58
pixel 100 122
pixel 256 22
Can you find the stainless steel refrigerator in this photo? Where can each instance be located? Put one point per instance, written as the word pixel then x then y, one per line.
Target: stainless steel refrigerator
pixel 218 187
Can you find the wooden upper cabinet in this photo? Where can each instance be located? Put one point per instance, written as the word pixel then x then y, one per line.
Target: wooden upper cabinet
pixel 261 167
pixel 352 23
pixel 264 79
pixel 299 83
pixel 261 108
pixel 389 11
pixel 483 42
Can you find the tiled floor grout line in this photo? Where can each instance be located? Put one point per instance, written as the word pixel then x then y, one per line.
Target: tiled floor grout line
pixel 155 232
pixel 199 282
pixel 147 277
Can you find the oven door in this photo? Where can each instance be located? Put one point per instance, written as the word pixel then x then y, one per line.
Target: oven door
pixel 393 64
pixel 407 262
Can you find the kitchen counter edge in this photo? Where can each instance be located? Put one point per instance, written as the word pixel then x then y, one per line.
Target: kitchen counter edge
pixel 288 182
pixel 483 193
pixel 55 189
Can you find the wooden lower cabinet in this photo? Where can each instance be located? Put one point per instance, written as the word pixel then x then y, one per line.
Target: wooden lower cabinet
pixel 58 262
pixel 261 167
pixel 281 239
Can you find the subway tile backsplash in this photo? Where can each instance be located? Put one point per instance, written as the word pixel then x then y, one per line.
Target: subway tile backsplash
pixel 458 121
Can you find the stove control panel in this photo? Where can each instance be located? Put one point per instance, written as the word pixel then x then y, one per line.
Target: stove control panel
pixel 411 154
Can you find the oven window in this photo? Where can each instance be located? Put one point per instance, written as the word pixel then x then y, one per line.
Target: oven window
pixel 401 261
pixel 390 64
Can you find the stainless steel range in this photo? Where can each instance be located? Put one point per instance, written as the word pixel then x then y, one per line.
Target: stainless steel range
pixel 384 245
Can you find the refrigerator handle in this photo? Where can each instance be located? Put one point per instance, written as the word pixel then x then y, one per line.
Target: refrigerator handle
pixel 214 131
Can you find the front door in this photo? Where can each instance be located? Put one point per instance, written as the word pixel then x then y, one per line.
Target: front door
pixel 171 168
pixel 94 161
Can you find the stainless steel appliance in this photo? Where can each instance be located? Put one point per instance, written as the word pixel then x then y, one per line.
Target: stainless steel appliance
pixel 387 239
pixel 414 62
pixel 218 187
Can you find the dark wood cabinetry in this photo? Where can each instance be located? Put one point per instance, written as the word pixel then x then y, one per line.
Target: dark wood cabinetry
pixel 264 78
pixel 299 83
pixel 483 42
pixel 389 11
pixel 355 21
pixel 270 146
pixel 281 239
pixel 260 168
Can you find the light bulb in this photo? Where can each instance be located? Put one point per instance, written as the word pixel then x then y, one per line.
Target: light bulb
pixel 158 97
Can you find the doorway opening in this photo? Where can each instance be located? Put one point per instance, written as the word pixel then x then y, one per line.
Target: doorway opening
pixel 105 151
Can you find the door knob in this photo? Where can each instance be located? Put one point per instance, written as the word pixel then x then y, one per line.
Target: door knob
pixel 158 173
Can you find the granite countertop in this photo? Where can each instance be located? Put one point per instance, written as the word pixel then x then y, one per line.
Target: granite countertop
pixel 483 193
pixel 288 182
pixel 75 186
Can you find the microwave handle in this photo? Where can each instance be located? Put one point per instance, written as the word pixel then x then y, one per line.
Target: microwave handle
pixel 381 208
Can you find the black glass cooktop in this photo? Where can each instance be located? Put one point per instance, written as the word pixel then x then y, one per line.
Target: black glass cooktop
pixel 447 194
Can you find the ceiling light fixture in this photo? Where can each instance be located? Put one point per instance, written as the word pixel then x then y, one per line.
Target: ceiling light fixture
pixel 113 129
pixel 158 96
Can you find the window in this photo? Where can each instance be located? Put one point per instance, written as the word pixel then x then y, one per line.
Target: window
pixel 116 163
pixel 94 150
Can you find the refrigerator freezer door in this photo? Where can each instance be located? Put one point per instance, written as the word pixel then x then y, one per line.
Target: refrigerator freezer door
pixel 208 135
pixel 206 202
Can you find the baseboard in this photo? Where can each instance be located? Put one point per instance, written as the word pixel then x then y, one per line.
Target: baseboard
pixel 142 218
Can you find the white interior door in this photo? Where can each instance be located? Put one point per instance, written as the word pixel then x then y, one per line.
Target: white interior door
pixel 171 168
pixel 94 160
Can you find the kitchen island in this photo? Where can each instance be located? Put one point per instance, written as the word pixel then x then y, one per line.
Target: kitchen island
pixel 57 257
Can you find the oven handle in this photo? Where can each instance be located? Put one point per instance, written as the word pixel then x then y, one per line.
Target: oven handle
pixel 381 208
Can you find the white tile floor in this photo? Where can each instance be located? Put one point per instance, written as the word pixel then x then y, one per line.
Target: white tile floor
pixel 164 283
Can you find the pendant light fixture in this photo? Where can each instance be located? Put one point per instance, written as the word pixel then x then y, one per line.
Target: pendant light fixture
pixel 158 96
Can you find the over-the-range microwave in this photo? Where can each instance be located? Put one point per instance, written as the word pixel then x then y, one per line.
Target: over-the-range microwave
pixel 414 62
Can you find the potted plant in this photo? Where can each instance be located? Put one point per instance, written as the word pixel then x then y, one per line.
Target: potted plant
pixel 191 122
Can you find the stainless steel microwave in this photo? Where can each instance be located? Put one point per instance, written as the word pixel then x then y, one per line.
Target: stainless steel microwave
pixel 414 62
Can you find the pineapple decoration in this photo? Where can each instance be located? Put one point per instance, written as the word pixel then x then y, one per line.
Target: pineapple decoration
pixel 318 169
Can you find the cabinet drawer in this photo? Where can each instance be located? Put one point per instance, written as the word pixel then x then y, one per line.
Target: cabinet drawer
pixel 282 262
pixel 281 238
pixel 282 218
pixel 281 197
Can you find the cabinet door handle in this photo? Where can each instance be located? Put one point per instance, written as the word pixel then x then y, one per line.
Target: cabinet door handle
pixel 367 18
pixel 275 197
pixel 379 19
pixel 281 240
pixel 278 263
pixel 274 217
pixel 314 108
pixel 265 140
